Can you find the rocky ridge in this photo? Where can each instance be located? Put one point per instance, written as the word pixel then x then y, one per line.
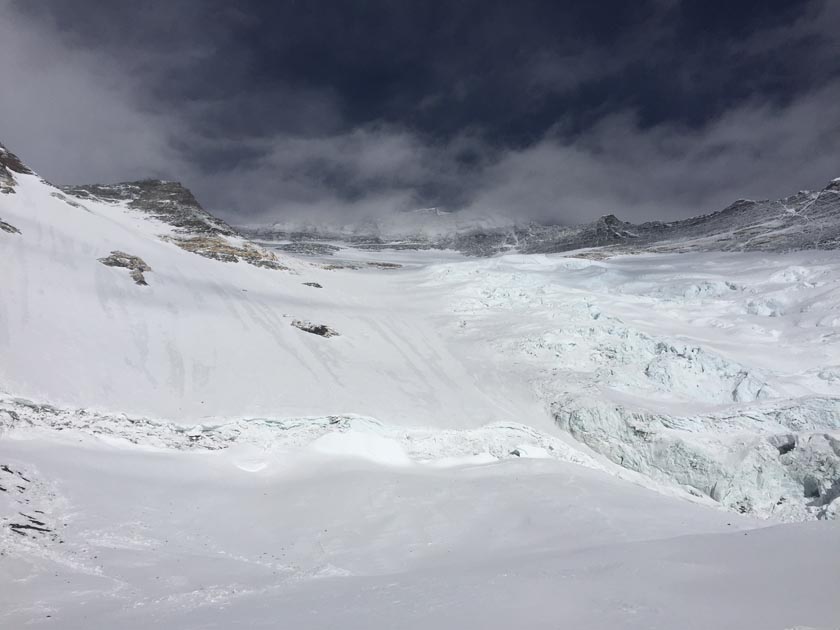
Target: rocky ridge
pixel 169 202
pixel 806 220
pixel 10 164
pixel 194 229
pixel 136 266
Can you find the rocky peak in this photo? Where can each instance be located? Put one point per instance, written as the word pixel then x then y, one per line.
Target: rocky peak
pixel 170 202
pixel 9 164
pixel 610 220
pixel 12 162
pixel 196 230
pixel 610 228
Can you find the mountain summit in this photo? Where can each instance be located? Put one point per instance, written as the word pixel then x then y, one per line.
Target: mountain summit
pixel 170 202
pixel 9 165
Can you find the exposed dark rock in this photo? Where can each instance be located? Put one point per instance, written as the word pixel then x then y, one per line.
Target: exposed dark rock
pixel 9 164
pixel 266 264
pixel 19 528
pixel 384 265
pixel 12 162
pixel 33 520
pixel 313 284
pixel 134 264
pixel 218 247
pixel 307 249
pixel 70 202
pixel 7 227
pixel 6 469
pixel 197 231
pixel 335 266
pixel 169 202
pixel 7 182
pixel 316 329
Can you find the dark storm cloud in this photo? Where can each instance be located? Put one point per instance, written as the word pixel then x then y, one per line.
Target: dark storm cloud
pixel 564 110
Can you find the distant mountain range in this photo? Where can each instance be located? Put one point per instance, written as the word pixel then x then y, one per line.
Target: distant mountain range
pixel 806 220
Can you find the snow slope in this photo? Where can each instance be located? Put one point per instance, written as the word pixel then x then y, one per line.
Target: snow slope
pixel 207 337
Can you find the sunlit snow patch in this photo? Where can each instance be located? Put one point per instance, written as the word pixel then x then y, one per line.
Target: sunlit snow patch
pixel 363 445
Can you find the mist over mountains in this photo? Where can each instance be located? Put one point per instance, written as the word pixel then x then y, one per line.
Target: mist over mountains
pixel 661 112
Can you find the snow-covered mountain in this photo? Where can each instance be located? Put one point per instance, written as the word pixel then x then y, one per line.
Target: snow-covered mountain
pixel 211 334
pixel 806 220
pixel 199 429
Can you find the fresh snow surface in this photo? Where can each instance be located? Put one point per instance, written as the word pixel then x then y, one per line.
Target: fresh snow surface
pixel 527 440
pixel 254 539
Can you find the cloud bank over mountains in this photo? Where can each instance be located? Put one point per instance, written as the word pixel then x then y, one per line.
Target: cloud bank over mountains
pixel 264 119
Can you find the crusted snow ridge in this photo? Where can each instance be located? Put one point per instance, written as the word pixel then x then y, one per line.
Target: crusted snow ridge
pixel 349 435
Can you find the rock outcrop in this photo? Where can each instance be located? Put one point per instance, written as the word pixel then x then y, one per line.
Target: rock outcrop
pixel 195 229
pixel 10 164
pixel 321 330
pixel 8 227
pixel 134 264
pixel 169 202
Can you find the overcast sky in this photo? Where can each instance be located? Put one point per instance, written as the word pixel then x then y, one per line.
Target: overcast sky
pixel 561 110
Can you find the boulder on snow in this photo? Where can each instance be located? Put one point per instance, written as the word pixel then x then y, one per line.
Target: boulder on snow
pixel 7 227
pixel 134 264
pixel 316 329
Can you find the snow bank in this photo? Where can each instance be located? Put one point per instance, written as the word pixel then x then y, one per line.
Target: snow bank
pixel 255 441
